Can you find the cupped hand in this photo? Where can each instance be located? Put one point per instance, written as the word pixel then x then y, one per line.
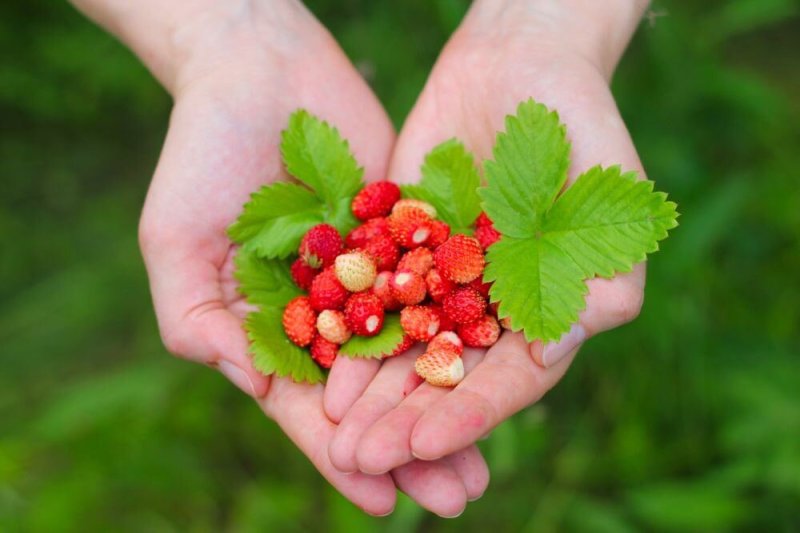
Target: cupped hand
pixel 239 85
pixel 504 53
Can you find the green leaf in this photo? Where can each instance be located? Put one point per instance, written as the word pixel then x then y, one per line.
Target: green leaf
pixel 265 282
pixel 378 346
pixel 601 225
pixel 530 165
pixel 276 218
pixel 274 353
pixel 450 182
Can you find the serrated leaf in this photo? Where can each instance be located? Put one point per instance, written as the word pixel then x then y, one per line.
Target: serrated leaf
pixel 450 182
pixel 265 282
pixel 276 218
pixel 274 353
pixel 315 153
pixel 378 346
pixel 530 165
pixel 601 225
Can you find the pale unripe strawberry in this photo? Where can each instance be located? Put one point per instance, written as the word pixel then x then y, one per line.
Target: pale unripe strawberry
pixel 363 313
pixel 411 203
pixel 408 287
pixel 419 322
pixel 459 259
pixel 481 333
pixel 332 327
pixel 442 368
pixel 446 340
pixel 299 321
pixel 355 271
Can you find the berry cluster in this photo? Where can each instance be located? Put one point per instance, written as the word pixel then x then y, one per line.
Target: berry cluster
pixel 401 258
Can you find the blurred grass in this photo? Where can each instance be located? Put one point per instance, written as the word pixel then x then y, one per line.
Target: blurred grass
pixel 686 420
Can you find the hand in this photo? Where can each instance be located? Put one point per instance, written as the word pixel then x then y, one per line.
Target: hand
pixel 505 52
pixel 237 77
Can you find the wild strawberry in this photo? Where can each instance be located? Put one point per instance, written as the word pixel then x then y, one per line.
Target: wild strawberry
pixel 411 203
pixel 446 340
pixel 419 260
pixel 383 290
pixel 408 287
pixel 459 259
pixel 487 236
pixel 384 251
pixel 320 246
pixel 404 345
pixel 483 220
pixel 445 322
pixel 440 231
pixel 355 270
pixel 419 322
pixel 363 313
pixel 332 327
pixel 437 285
pixel 324 351
pixel 326 292
pixel 361 235
pixel 464 305
pixel 302 274
pixel 441 368
pixel 375 200
pixel 480 286
pixel 299 321
pixel 481 333
pixel 410 227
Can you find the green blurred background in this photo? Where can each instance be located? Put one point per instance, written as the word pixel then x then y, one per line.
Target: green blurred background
pixel 686 420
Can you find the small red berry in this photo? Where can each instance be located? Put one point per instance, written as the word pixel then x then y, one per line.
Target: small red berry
pixel 446 340
pixel 360 236
pixel 384 251
pixel 355 271
pixel 487 236
pixel 460 259
pixel 324 351
pixel 419 260
pixel 419 322
pixel 408 287
pixel 327 292
pixel 481 333
pixel 445 322
pixel 299 321
pixel 437 285
pixel 383 290
pixel 404 345
pixel 332 326
pixel 440 232
pixel 320 246
pixel 480 286
pixel 302 274
pixel 483 220
pixel 410 227
pixel 364 314
pixel 375 200
pixel 412 203
pixel 464 305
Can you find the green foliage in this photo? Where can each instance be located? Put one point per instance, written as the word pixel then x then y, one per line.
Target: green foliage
pixel 265 282
pixel 602 224
pixel 379 345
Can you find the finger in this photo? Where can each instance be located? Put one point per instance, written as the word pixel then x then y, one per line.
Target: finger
pixel 471 467
pixel 435 486
pixel 609 304
pixel 386 443
pixel 395 379
pixel 347 381
pixel 298 411
pixel 506 381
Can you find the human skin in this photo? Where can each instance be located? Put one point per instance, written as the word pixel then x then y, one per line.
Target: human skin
pixel 562 53
pixel 236 70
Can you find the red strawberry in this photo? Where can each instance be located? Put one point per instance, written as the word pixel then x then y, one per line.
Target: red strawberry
pixel 299 321
pixel 324 351
pixel 383 290
pixel 460 259
pixel 420 322
pixel 481 333
pixel 480 286
pixel 445 322
pixel 483 220
pixel 384 251
pixel 464 305
pixel 332 326
pixel 360 236
pixel 437 285
pixel 410 227
pixel 375 200
pixel 487 236
pixel 355 271
pixel 302 274
pixel 411 203
pixel 440 231
pixel 446 340
pixel 407 287
pixel 326 291
pixel 404 345
pixel 320 246
pixel 364 314
pixel 442 368
pixel 419 260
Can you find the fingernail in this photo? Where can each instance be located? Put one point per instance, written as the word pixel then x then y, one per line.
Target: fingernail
pixel 237 376
pixel 453 516
pixel 555 352
pixel 385 514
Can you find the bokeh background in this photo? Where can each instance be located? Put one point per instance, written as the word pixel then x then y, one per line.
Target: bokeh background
pixel 686 420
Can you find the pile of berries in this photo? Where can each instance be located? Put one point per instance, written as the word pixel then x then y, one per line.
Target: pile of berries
pixel 400 259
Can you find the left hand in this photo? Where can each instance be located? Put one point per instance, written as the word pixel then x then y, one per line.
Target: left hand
pixel 504 53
